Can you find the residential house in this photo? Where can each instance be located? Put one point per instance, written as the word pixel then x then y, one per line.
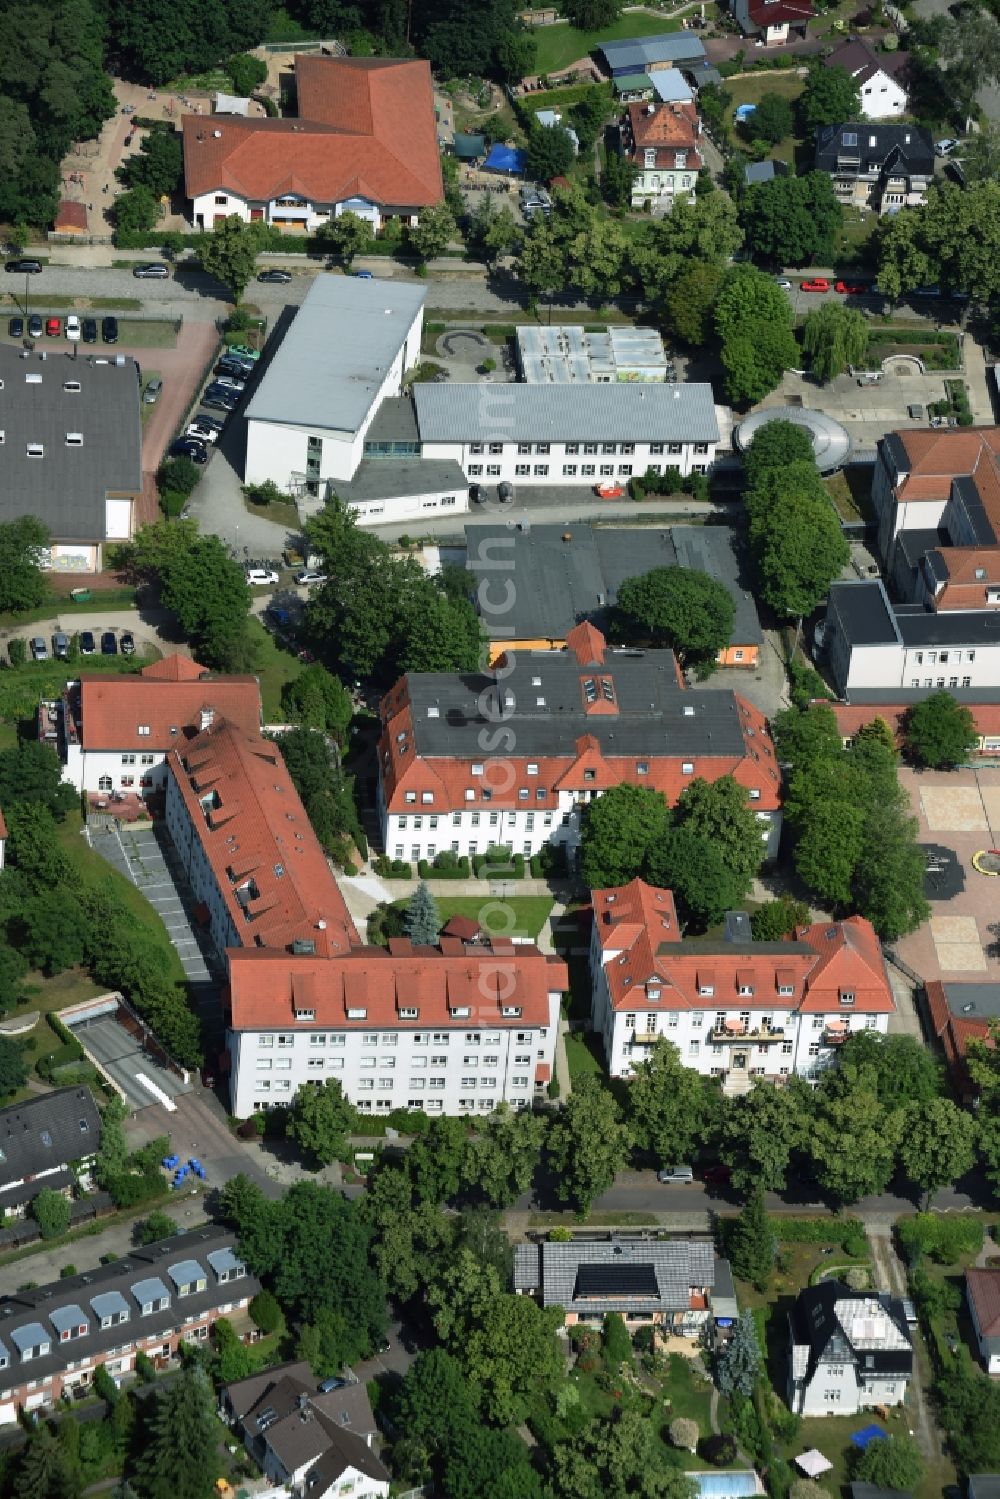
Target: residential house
pixel 455 1028
pixel 568 354
pixel 574 723
pixel 677 1285
pixel 314 1444
pixel 53 1337
pixel 71 451
pixel 566 574
pixel 982 1292
pixel 662 142
pixel 47 1143
pixel 879 75
pixel 772 22
pixel 885 167
pixel 849 1351
pixel 364 141
pixel 116 731
pixel 873 644
pixel 736 1009
pixel 958 1013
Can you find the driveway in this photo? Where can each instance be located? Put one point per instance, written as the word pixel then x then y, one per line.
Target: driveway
pixel 890 1275
pixel 118 1053
pixel 218 506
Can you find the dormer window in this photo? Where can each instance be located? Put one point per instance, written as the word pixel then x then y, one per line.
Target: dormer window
pixel 649 157
pixel 305 1015
pixel 143 731
pixel 847 996
pixel 35 450
pixel 74 439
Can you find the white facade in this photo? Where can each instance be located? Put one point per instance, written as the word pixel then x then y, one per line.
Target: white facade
pixel 661 186
pixel 834 1390
pixel 351 1481
pixel 453 1070
pixel 586 463
pixel 196 865
pixel 386 511
pixel 895 665
pixel 864 1359
pixel 291 212
pixel 882 98
pixel 139 772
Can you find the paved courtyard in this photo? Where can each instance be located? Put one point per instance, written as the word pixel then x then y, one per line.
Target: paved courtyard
pixel 957 810
pixel 122 1057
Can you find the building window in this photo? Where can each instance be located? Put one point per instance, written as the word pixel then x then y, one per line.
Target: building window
pixel 541 470
pixel 569 470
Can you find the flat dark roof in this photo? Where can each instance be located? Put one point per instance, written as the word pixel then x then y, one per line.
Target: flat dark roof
pixel 973 1001
pixel 864 613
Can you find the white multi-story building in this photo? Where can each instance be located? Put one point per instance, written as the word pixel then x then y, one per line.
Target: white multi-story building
pixel 870 643
pixel 117 730
pixel 735 1009
pixel 513 757
pixel 849 1351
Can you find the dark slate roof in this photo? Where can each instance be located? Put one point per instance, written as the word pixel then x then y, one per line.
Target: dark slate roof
pixel 328 1432
pixel 562 582
pixel 965 495
pixel 984 1486
pixel 466 147
pixel 908 148
pixel 50 1130
pixel 918 627
pixel 23 1314
pixel 394 421
pixel 68 485
pixel 863 613
pixel 763 171
pixel 816 1325
pixel 617 1273
pixel 973 1002
pixel 914 544
pixel 393 479
pixel 970 696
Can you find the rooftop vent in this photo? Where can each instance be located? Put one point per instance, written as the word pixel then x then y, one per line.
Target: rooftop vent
pixel 32 379
pixel 72 386
pixel 74 439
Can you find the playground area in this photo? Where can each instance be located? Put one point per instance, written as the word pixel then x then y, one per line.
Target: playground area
pixel 959 816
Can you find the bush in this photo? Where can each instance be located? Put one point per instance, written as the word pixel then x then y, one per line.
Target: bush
pixel 719 1449
pixel 616 1344
pixel 683 1433
pixel 51 1212
pixel 144 1367
pixel 392 869
pixel 266 1312
pixel 17 650
pixel 805 684
pixel 67 1272
pixel 943 1239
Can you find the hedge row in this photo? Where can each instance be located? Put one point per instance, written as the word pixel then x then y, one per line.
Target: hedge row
pixel 849 1233
pixel 457 871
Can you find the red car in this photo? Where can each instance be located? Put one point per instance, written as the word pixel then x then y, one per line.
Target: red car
pixel 850 288
pixel 609 491
pixel 817 284
pixel 53 327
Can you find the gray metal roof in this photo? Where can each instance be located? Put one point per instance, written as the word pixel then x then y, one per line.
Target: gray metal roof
pixel 394 479
pixel 567 354
pixel 68 484
pixel 918 627
pixel 29 1335
pixel 186 1272
pixel 640 52
pixel 109 1304
pixel 674 1266
pixel 831 442
pixel 149 1290
pixel 328 368
pixel 394 421
pixel 222 1260
pixel 671 86
pixel 556 413
pixel 50 1130
pixel 68 1318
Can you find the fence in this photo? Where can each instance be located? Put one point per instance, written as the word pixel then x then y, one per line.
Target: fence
pixel 307 44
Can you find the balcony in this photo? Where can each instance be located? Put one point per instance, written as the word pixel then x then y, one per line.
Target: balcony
pixel 646 1038
pixel 759 1036
pixel 835 1033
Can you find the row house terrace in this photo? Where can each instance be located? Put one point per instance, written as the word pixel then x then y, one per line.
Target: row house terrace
pixel 736 1009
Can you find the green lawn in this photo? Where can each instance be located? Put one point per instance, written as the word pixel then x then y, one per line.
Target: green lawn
pixel 21 687
pixel 751 90
pixel 562 44
pixel 277 666
pixel 148 333
pixel 62 603
pixel 584 1057
pixel 530 911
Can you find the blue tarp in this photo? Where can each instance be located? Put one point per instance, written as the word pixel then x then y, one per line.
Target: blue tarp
pixel 744 111
pixel 506 159
pixel 866 1436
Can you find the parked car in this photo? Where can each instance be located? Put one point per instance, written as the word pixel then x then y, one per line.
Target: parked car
pixel 127 643
pixel 230 364
pixel 109 643
pixel 783 282
pixel 279 277
pixel 109 330
pixel 926 291
pixel 60 645
pixel 229 382
pixel 213 423
pixel 946 146
pixel 363 275
pixel 850 288
pixel 225 387
pixel 718 1175
pixel 334 1383
pixel 258 577
pixel 39 649
pixel 25 267
pixel 477 494
pixel 189 447
pixel 818 283
pixel 308 579
pixel 72 327
pixel 682 1174
pixel 609 490
pixel 154 270
pixel 35 326
pixel 16 327
pixel 53 327
pixel 221 400
pixel 505 493
pixel 89 330
pixel 152 392
pixel 87 646
pixel 199 432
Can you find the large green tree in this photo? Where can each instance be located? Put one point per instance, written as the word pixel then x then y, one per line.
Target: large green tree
pixel 316 699
pixel 939 733
pixel 830 96
pixel 229 252
pixel 671 1107
pixel 771 121
pixel 895 1463
pixel 691 865
pixel 795 538
pixel 690 303
pixel 346 236
pixel 719 812
pixel 900 1070
pixel 775 446
pixel 179 1456
pixel 13 1070
pixel 753 318
pixel 22 582
pixel 760 1131
pixel 587 1144
pixel 835 338
pixel 853 1145
pixel 792 220
pixel 620 829
pixel 680 608
pixel 321 1119
pixel 501 1160
pixel 550 152
pixel 752 1244
pixel 938 1145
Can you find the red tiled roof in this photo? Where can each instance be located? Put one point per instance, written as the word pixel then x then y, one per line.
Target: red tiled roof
pixel 257 831
pixel 637 929
pixel 366 128
pixel 543 1072
pixel 462 927
pixel 666 129
pixel 266 988
pixel 166 698
pixel 984 1293
pixel 954 1033
pixel 853 716
pixel 779 12
pixel 935 458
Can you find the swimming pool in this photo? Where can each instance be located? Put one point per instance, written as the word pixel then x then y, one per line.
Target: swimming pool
pixel 739 1485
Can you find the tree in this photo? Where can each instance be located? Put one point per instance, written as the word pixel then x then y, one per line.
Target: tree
pixel 233 1360
pixel 759 1132
pixel 775 446
pixel 830 96
pixel 158 1225
pixel 776 919
pixel 30 773
pixel 43 1469
pixel 442 634
pixel 938 1145
pixel 550 152
pixel 588 117
pixel 953 238
pixel 620 829
pixel 52 932
pixel 938 732
pixel 619 1458
pixel 684 1433
pixel 409 1240
pixel 437 1406
pixel 423 919
pixel 969 1406
pixel 113 1151
pixel 680 608
pixel 318 700
pixel 616 1344
pixel 158 165
pixel 670 1106
pixel 895 1462
pixel 591 15
pixel 542 262
pixel 751 1243
pixel 690 303
pixel 898 1069
pixel 325 793
pixel 739 1361
pixel 13 969
pixel 208 592
pixel 265 1312
pixel 771 121
pixel 230 252
pixel 13 1071
pixel 246 73
pixel 433 232
pixel 178 1459
pixel 853 1145
pixel 753 318
pixel 617 179
pixel 50 1211
pixel 805 736
pixel 346 236
pixel 501 1160
pixel 136 211
pixel 889 874
pixel 22 583
pixel 720 812
pixel 587 1144
pixel 795 539
pixel 705 232
pixel 835 338
pixel 704 884
pixel 320 1120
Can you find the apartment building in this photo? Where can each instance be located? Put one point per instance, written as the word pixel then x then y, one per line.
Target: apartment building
pixel 849 1351
pixel 54 1336
pixel 512 757
pixel 116 731
pixel 871 644
pixel 457 1028
pixel 735 1009
pixel 873 165
pixel 47 1143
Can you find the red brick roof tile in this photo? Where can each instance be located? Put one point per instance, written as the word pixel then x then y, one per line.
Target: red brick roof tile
pixel 984 1293
pixel 166 699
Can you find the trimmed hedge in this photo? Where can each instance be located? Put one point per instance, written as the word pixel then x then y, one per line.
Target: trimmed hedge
pixel 507 866
pixel 392 869
pixel 459 870
pixel 849 1233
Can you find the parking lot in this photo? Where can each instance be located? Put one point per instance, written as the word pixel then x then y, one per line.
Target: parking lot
pixel 118 1053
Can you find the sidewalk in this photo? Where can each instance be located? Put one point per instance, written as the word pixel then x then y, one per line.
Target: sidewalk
pixel 978 380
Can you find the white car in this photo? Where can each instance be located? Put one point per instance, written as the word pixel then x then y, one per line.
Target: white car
pixel 228 382
pixel 783 283
pixel 202 434
pixel 72 327
pixel 259 576
pixel 946 147
pixel 309 578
